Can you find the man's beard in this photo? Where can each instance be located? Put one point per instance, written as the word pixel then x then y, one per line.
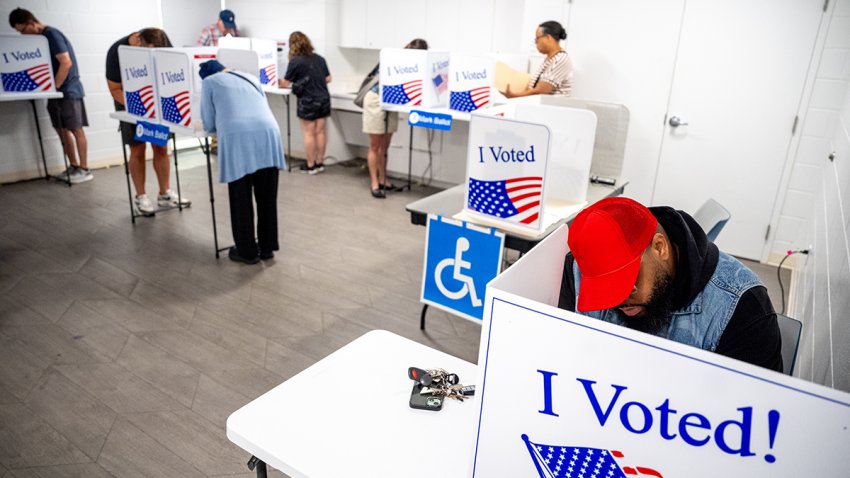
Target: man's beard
pixel 658 311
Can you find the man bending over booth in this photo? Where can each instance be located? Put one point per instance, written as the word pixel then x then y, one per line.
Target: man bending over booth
pixel 653 270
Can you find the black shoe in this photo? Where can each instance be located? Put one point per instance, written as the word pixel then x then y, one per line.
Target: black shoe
pixel 378 193
pixel 233 254
pixel 266 255
pixel 306 169
pixel 390 188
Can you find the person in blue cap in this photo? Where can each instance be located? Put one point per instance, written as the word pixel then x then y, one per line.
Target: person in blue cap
pixel 226 25
pixel 250 153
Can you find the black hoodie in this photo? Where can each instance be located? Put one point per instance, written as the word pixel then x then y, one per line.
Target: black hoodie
pixel 752 334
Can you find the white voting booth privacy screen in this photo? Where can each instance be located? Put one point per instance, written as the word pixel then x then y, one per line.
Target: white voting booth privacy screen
pixel 179 84
pixel 267 58
pixel 138 77
pixel 528 166
pixel 471 81
pixel 413 78
pixel 245 61
pixel 565 395
pixel 26 66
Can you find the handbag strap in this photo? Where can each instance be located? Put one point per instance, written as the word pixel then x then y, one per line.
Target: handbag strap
pixel 246 80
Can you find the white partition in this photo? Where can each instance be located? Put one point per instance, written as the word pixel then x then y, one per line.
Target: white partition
pixel 234 43
pixel 138 77
pixel 560 391
pixel 471 81
pixel 413 78
pixel 245 61
pixel 267 58
pixel 26 66
pixel 179 84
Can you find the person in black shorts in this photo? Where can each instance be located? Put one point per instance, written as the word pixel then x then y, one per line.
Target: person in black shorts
pixel 67 114
pixel 147 38
pixel 308 76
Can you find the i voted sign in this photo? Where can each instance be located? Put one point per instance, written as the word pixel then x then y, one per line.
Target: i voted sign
pixel 25 64
pixel 427 119
pixel 151 133
pixel 460 259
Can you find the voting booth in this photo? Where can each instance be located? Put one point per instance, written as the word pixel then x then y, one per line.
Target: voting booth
pixel 26 65
pixel 138 77
pixel 234 43
pixel 245 61
pixel 527 166
pixel 179 84
pixel 566 395
pixel 267 61
pixel 413 78
pixel 471 81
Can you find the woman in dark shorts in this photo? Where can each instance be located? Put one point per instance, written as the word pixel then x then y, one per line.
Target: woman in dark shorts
pixel 308 76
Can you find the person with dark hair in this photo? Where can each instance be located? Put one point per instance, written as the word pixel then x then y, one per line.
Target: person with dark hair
pixel 555 75
pixel 250 153
pixel 654 270
pixel 146 38
pixel 308 75
pixel 67 114
pixel 380 126
pixel 225 25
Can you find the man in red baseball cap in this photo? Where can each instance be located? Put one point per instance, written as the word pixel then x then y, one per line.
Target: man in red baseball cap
pixel 654 270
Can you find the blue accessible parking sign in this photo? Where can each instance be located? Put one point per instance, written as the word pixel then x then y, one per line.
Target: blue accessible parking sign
pixel 460 259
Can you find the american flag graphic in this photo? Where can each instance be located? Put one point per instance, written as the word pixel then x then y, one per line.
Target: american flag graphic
pixel 580 462
pixel 176 109
pixel 268 75
pixel 141 102
pixel 31 79
pixel 405 93
pixel 470 100
pixel 441 82
pixel 517 198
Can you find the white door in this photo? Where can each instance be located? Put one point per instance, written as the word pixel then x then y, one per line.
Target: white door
pixel 738 80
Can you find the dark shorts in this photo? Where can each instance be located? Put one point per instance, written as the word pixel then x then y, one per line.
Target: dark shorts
pixel 68 113
pixel 313 108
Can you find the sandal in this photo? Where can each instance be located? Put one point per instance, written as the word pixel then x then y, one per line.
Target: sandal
pixel 378 193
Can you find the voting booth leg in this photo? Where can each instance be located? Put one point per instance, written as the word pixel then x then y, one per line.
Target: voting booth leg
pixel 259 465
pixel 127 174
pixel 40 141
pixel 212 197
pixel 410 161
pixel 288 152
pixel 177 173
pixel 422 317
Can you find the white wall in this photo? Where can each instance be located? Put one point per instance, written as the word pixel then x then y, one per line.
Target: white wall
pixel 183 20
pixel 819 214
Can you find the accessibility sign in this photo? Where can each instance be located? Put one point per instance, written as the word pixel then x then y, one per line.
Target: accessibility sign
pixel 427 119
pixel 460 259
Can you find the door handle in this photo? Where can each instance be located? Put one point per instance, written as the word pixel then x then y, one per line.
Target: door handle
pixel 675 122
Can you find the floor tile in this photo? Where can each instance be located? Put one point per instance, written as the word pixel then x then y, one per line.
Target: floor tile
pixel 129 452
pixel 27 440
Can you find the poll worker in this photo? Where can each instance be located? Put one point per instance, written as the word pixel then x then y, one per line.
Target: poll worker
pixel 555 75
pixel 225 25
pixel 250 153
pixel 67 114
pixel 380 126
pixel 146 38
pixel 308 75
pixel 653 270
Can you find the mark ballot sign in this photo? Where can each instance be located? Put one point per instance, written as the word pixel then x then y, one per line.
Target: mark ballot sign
pixel 460 259
pixel 25 65
pixel 138 81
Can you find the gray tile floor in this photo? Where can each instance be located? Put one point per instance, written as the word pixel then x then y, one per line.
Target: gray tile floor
pixel 123 348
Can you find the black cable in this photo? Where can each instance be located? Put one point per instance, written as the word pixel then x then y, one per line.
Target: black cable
pixel 779 275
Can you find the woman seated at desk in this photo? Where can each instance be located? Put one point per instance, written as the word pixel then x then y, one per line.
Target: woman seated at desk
pixel 555 75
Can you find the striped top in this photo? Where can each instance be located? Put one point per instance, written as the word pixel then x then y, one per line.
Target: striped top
pixel 558 72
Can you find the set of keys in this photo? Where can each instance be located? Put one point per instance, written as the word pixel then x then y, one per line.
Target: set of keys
pixel 440 383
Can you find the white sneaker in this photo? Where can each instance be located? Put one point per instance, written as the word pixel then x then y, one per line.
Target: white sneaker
pixel 63 176
pixel 80 175
pixel 144 204
pixel 170 198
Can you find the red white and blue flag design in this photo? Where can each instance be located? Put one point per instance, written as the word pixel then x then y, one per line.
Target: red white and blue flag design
pixel 441 82
pixel 469 100
pixel 581 462
pixel 141 102
pixel 516 198
pixel 268 75
pixel 403 94
pixel 36 78
pixel 176 109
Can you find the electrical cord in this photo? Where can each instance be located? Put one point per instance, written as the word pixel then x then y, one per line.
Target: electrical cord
pixel 779 275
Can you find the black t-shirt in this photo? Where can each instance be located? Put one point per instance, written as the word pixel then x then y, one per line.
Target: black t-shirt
pixel 312 71
pixel 113 67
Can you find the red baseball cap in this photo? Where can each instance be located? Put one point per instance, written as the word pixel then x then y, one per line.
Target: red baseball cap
pixel 607 240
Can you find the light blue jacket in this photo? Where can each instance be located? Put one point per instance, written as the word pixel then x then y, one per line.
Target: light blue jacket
pixel 702 322
pixel 234 107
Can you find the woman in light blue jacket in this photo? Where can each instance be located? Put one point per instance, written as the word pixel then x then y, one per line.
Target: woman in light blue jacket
pixel 250 153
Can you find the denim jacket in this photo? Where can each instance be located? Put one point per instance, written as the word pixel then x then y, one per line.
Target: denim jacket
pixel 701 322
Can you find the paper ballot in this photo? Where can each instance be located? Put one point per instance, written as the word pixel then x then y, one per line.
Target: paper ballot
pixel 505 75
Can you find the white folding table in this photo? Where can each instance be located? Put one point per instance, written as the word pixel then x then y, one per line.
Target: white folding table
pixel 348 415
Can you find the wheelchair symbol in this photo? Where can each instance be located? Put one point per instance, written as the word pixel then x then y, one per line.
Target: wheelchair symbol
pixel 458 263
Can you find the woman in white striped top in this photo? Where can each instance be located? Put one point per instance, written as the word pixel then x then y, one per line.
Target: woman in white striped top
pixel 555 75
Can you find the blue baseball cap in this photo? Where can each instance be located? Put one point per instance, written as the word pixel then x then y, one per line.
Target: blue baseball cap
pixel 210 67
pixel 228 18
